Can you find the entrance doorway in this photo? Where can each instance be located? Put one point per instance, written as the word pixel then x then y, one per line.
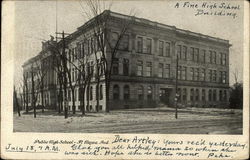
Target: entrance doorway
pixel 164 95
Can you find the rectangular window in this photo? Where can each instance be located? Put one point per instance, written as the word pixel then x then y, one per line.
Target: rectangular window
pixel 192 73
pixel 149 69
pixel 210 75
pixel 179 72
pixel 167 49
pixel 179 51
pixel 196 55
pixel 214 75
pixel 196 74
pixel 167 71
pixel 160 71
pixel 139 68
pixel 202 56
pixel 184 52
pixel 220 76
pixel 139 44
pixel 202 75
pixel 223 59
pixel 224 77
pixel 214 57
pixel 160 48
pixel 210 56
pixel 149 46
pixel 192 53
pixel 184 73
pixel 220 58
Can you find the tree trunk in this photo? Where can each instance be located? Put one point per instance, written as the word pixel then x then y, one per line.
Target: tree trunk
pixel 88 97
pixel 73 100
pixel 97 95
pixel 60 99
pixel 83 101
pixel 65 102
pixel 27 99
pixel 33 93
pixel 17 104
pixel 107 94
pixel 42 97
pixel 24 98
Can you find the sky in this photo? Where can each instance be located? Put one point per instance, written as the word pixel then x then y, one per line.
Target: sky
pixel 35 21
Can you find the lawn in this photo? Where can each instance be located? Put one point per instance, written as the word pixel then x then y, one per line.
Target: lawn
pixel 143 120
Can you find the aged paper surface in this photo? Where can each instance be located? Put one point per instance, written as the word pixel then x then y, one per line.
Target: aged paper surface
pixel 198 132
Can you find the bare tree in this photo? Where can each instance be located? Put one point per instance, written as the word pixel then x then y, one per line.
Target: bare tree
pixel 16 103
pixel 60 59
pixel 26 92
pixel 108 46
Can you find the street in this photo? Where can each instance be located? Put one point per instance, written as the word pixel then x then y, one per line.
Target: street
pixel 143 120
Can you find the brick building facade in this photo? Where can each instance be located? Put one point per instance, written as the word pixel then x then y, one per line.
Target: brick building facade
pixel 144 70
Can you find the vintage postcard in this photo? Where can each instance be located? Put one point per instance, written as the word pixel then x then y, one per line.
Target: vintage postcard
pixel 125 79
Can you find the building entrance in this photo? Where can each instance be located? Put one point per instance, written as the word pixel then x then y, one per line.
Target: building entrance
pixel 165 95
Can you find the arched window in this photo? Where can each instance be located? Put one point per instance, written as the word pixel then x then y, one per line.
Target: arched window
pixel 210 95
pixel 203 95
pixel 220 95
pixel 140 93
pixel 116 92
pixel 96 93
pixel 184 94
pixel 91 93
pixel 191 94
pixel 197 95
pixel 150 93
pixel 101 92
pixel 126 92
pixel 214 95
pixel 88 93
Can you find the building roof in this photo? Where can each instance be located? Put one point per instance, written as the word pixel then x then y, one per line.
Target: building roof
pixel 154 24
pixel 140 21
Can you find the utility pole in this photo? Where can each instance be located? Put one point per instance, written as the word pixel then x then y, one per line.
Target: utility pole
pixel 176 88
pixel 64 64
